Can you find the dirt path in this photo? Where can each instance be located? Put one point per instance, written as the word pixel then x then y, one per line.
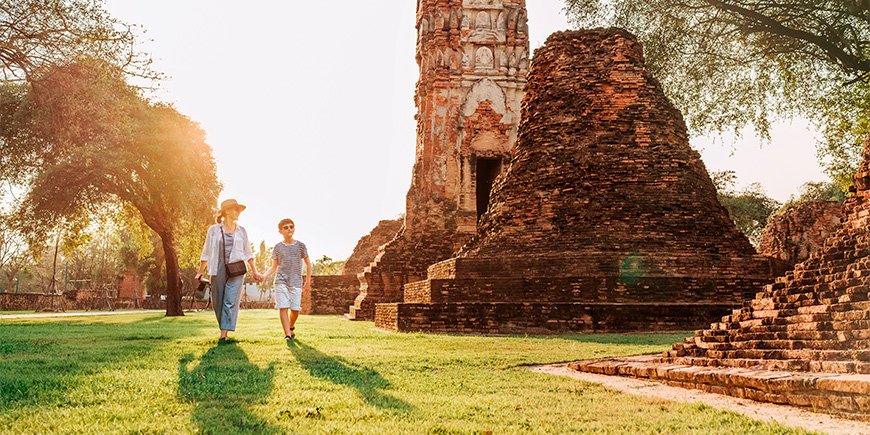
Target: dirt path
pixel 86 314
pixel 785 415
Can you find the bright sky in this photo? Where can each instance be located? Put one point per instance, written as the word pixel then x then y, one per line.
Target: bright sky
pixel 309 107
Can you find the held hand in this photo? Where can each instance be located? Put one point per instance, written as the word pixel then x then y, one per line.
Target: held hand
pixel 198 277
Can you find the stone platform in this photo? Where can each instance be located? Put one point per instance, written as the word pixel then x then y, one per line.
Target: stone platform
pixel 595 291
pixel 839 393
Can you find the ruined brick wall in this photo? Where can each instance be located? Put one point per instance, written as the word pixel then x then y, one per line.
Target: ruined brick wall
pixel 367 247
pixel 474 58
pixel 330 294
pixel 605 220
pixel 801 230
pixel 33 301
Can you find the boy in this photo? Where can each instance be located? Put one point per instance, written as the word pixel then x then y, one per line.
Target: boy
pixel 287 258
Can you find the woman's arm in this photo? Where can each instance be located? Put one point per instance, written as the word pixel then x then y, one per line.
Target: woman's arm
pixel 206 254
pixel 202 267
pixel 252 266
pixel 248 254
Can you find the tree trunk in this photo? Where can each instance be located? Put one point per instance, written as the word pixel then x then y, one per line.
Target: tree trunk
pixel 173 283
pixel 10 279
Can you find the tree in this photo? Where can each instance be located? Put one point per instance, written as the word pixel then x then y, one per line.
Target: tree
pixel 731 63
pixel 326 266
pixel 37 34
pixel 83 138
pixel 14 252
pixel 749 208
pixel 815 191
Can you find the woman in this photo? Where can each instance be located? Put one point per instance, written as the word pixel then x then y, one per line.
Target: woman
pixel 226 242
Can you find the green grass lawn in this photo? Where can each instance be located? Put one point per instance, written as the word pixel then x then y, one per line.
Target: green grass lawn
pixel 6 313
pixel 147 373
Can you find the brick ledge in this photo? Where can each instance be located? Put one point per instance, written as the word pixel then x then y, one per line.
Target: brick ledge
pixel 842 394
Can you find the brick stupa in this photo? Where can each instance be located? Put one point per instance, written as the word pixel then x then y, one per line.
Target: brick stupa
pixel 606 219
pixel 803 340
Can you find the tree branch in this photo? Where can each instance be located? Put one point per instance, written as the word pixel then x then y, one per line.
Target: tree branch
pixel 773 26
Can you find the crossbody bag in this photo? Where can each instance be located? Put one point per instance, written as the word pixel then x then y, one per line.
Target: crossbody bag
pixel 236 268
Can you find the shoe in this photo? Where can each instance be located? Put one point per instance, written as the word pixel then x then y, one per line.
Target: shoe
pixel 288 338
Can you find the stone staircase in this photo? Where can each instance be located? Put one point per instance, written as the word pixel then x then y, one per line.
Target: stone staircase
pixel 815 318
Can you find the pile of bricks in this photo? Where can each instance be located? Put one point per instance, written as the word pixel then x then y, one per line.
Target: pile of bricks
pixel 606 219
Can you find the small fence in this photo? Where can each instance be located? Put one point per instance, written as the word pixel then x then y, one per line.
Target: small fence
pixel 329 295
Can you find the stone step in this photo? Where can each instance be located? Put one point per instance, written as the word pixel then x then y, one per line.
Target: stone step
pixel 546 318
pixel 818 391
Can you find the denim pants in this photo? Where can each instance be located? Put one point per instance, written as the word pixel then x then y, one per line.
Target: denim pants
pixel 225 297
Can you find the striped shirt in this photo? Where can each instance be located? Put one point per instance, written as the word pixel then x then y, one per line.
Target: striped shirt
pixel 290 258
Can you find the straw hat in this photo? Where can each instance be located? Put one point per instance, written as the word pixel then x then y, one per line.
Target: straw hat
pixel 231 203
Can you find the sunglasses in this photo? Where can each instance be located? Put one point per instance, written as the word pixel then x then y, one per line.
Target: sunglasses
pixel 287 227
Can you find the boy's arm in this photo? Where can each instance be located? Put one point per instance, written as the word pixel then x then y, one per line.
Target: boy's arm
pixel 271 268
pixel 306 285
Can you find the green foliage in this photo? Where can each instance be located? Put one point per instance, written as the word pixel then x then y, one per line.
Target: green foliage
pixel 327 266
pixel 815 191
pixel 727 64
pixel 749 208
pixel 145 373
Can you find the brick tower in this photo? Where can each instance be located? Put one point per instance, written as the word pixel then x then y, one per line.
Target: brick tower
pixel 474 58
pixel 605 220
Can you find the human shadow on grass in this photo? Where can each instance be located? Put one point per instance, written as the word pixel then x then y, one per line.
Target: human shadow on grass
pixel 367 382
pixel 43 362
pixel 223 385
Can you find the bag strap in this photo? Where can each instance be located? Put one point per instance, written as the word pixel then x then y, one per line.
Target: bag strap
pixel 224 246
